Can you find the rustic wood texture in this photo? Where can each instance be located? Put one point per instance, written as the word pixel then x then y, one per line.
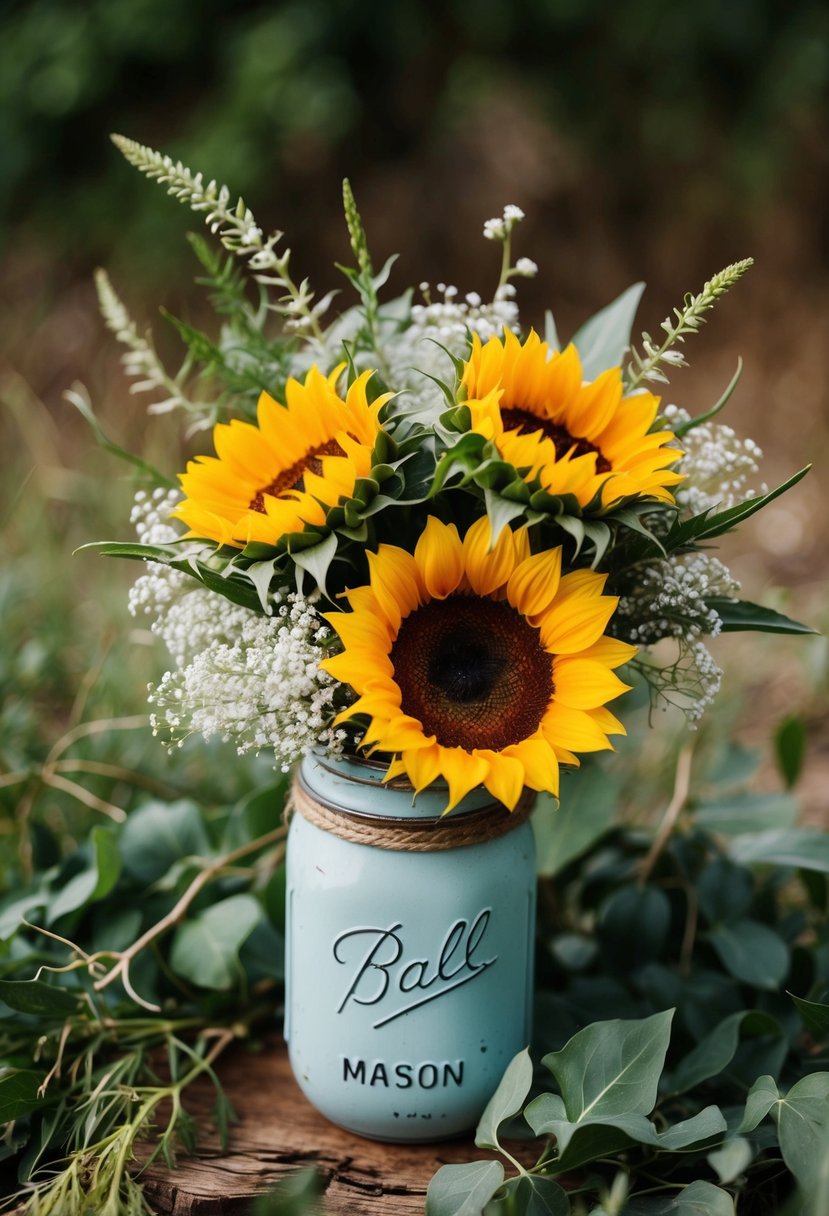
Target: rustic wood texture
pixel 278 1132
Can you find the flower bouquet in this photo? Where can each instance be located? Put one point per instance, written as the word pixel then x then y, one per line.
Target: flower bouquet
pixel 424 545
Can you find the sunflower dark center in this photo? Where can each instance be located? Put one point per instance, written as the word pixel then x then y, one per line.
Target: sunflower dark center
pixel 524 421
pixel 473 672
pixel 292 478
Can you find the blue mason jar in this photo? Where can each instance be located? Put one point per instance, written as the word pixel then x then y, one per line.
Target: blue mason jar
pixel 409 968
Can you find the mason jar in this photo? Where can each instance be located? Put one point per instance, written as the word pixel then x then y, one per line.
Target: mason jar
pixel 409 963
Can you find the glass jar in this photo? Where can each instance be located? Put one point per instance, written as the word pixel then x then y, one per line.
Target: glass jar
pixel 409 965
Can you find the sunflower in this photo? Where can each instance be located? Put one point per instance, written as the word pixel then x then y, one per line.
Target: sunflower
pixel 273 478
pixel 481 664
pixel 585 439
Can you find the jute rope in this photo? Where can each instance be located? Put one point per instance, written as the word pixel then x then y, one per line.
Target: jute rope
pixel 410 835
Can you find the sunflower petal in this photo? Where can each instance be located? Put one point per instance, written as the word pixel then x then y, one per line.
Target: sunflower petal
pixel 439 556
pixel 585 684
pixel 533 584
pixel 462 772
pixel 505 779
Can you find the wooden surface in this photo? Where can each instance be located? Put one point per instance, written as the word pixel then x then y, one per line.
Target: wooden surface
pixel 279 1132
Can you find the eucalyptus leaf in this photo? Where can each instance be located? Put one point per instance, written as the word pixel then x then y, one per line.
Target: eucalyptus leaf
pixel 790 748
pixel 463 1190
pixel 206 948
pixel 159 834
pixel 803 1128
pixel 91 884
pixel 507 1099
pixel 803 848
pixel 603 340
pixel 735 814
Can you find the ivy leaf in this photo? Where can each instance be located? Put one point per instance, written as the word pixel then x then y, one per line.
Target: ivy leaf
pixel 751 952
pixel 611 1068
pixel 803 1128
pixel 206 949
pixel 732 1159
pixel 633 926
pixel 698 1199
pixel 463 1190
pixel 603 340
pixel 539 1196
pixel 507 1099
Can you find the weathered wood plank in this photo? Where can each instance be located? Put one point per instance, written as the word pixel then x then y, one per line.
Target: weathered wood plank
pixel 278 1132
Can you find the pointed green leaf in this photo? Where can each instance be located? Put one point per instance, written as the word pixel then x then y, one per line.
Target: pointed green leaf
pixel 707 525
pixel 603 340
pixel 741 616
pixel 790 749
pixel 507 1099
pixel 39 998
pixel 316 560
pixel 716 1051
pixel 759 1101
pixel 697 1199
pixel 539 1196
pixel 93 883
pixel 550 332
pixel 463 1190
pixel 18 1094
pixel 815 1015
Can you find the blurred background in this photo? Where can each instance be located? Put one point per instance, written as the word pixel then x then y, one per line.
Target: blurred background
pixel 643 140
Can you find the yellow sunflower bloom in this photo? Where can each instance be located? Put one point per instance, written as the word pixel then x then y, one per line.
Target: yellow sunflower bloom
pixel 273 478
pixel 480 664
pixel 585 439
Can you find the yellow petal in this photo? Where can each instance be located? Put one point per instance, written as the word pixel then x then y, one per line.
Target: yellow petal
pixel 488 567
pixel 423 766
pixel 396 582
pixel 538 761
pixel 505 779
pixel 439 556
pixel 609 651
pixel 572 729
pixel 575 624
pixel 585 684
pixel 462 772
pixel 534 583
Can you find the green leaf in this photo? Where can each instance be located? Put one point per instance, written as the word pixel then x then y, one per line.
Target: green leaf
pixel 716 1051
pixel 603 340
pixel 39 998
pixel 732 1160
pixel 790 748
pixel 587 811
pixel 751 952
pixel 463 1190
pixel 550 332
pixel 205 949
pixel 295 1195
pixel 94 883
pixel 697 1199
pixel 501 511
pixel 633 926
pixel 316 560
pixel 18 1094
pixel 815 1015
pixel 725 891
pixel 706 526
pixel 735 814
pixel 759 1101
pixel 741 615
pixel 802 848
pixel 539 1196
pixel 77 396
pixel 611 1068
pixel 159 834
pixel 507 1099
pixel 707 1125
pixel 803 1128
